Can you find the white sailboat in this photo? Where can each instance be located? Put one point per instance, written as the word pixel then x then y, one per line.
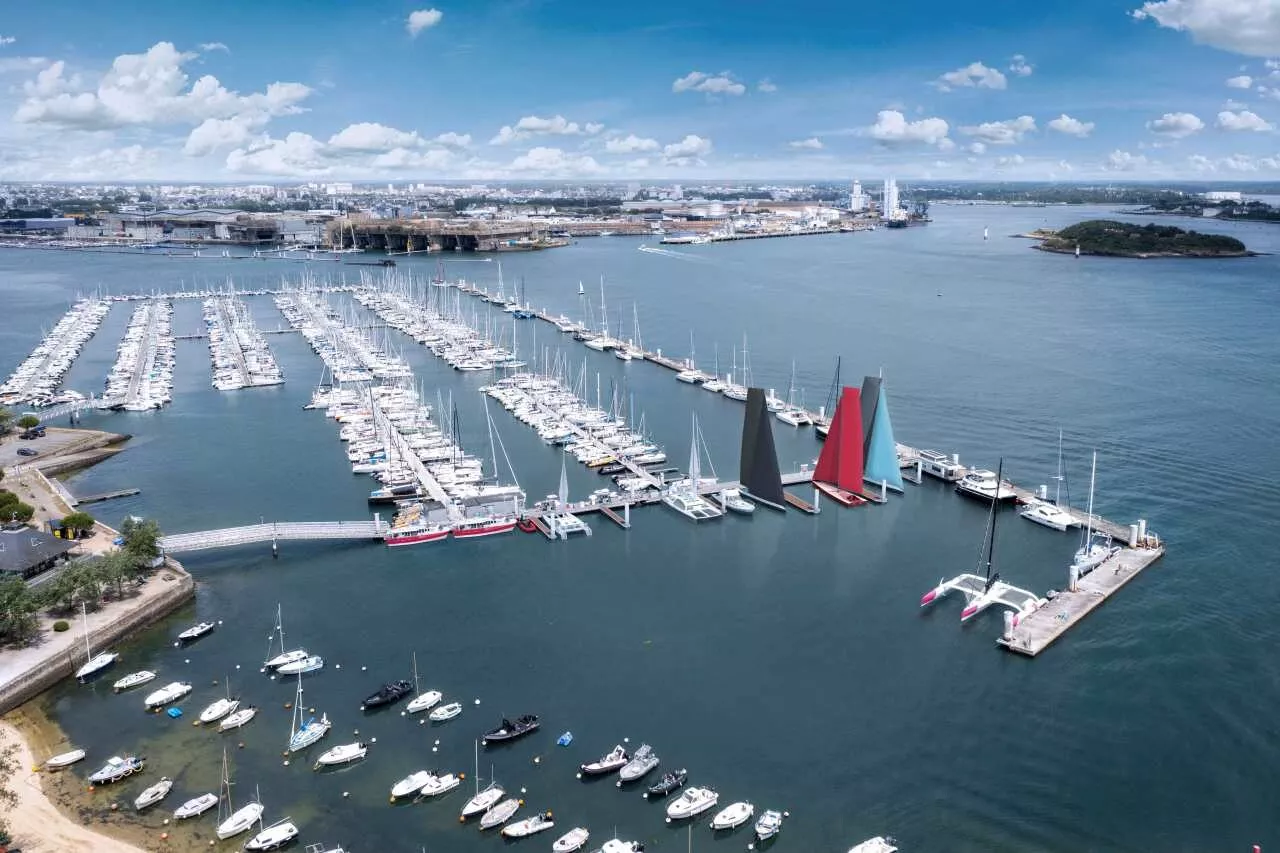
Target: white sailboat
pixel 684 496
pixel 422 701
pixel 232 821
pixel 93 664
pixel 1095 547
pixel 284 657
pixel 220 708
pixel 484 799
pixel 1047 514
pixel 303 734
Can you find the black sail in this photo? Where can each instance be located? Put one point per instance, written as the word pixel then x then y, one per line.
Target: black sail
pixel 870 399
pixel 758 466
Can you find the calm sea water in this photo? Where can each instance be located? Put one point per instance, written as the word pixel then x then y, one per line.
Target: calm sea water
pixel 782 659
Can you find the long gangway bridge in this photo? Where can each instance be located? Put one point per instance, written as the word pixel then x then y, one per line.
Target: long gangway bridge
pixel 274 532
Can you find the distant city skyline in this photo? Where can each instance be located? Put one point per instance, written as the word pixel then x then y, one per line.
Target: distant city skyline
pixel 494 90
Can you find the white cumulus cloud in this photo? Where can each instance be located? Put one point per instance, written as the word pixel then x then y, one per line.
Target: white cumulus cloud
pixel 453 140
pixel 976 148
pixel 766 85
pixel 1123 161
pixel 554 162
pixel 7 40
pixel 422 19
pixel 1250 27
pixel 557 125
pixel 710 84
pixel 973 75
pixel 1243 120
pixel 211 46
pixel 813 143
pixel 1019 67
pixel 369 136
pixel 687 152
pixel 1005 132
pixel 1244 81
pixel 1176 125
pixel 892 128
pixel 1071 126
pixel 630 144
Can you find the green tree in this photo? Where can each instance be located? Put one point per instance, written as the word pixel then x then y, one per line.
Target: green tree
pixel 28 421
pixel 78 521
pixel 6 420
pixel 16 510
pixel 60 593
pixel 18 608
pixel 9 772
pixel 141 539
pixel 116 569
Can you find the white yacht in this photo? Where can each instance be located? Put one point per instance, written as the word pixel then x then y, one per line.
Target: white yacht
pixel 218 710
pixel 529 826
pixel 237 718
pixel 879 844
pixel 195 806
pixel 93 664
pixel 154 794
pixel 574 839
pixel 732 500
pixel 273 837
pixel 410 784
pixel 692 506
pixel 1049 515
pixel 940 465
pixel 344 753
pixel 981 483
pixel 445 712
pixel 437 785
pixel 171 692
pixel 133 679
pixel 769 824
pixel 733 815
pixel 692 802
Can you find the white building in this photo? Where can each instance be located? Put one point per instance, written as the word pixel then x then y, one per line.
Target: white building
pixel 857 198
pixel 1219 195
pixel 889 204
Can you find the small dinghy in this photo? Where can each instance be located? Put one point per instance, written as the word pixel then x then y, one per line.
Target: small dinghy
pixel 195 632
pixel 273 837
pixel 65 759
pixel 693 801
pixel 733 816
pixel 445 712
pixel 218 710
pixel 133 680
pixel 171 692
pixel 425 701
pixel 154 794
pixel 236 719
pixel 574 839
pixel 499 814
pixel 641 763
pixel 310 663
pixel 439 784
pixel 483 800
pixel 286 658
pixel 240 821
pixel 117 768
pixel 342 754
pixel 669 782
pixel 410 784
pixel 608 763
pixel 769 824
pixel 510 731
pixel 195 806
pixel 529 826
pixel 879 844
pixel 392 691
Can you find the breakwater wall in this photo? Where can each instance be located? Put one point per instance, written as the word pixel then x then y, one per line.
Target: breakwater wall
pixel 167 590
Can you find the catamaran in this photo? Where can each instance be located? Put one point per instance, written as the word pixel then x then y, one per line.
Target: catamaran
pixel 684 496
pixel 302 735
pixel 93 664
pixel 1095 547
pixel 1047 514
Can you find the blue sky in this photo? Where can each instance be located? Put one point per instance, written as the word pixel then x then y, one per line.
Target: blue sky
pixel 531 89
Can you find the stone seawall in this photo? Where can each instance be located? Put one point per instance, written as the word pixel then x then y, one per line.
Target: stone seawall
pixel 170 588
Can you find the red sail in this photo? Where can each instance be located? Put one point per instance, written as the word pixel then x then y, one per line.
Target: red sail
pixel 840 463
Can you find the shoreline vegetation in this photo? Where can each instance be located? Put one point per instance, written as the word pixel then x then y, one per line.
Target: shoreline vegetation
pixel 1106 237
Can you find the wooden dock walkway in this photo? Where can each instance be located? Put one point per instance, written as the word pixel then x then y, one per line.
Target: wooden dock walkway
pixel 1038 630
pixel 105 496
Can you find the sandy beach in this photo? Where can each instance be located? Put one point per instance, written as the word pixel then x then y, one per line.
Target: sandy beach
pixel 35 822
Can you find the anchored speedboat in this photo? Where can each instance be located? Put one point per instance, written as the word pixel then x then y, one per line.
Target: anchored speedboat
pixel 733 816
pixel 171 692
pixel 641 763
pixel 116 769
pixel 692 802
pixel 500 813
pixel 154 794
pixel 511 730
pixel 195 806
pixel 273 837
pixel 439 784
pixel 574 839
pixel 392 691
pixel 342 754
pixel 195 632
pixel 529 826
pixel 410 784
pixel 608 763
pixel 218 710
pixel 133 679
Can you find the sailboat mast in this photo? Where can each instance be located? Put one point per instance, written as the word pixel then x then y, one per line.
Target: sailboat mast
pixel 991 528
pixel 1057 492
pixel 84 618
pixel 1088 525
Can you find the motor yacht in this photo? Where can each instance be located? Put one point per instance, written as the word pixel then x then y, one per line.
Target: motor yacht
pixel 733 816
pixel 692 802
pixel 879 844
pixel 669 782
pixel 983 484
pixel 195 632
pixel 410 784
pixel 153 794
pixel 117 768
pixel 439 784
pixel 133 679
pixel 195 806
pixel 387 694
pixel 769 824
pixel 219 709
pixel 1049 515
pixel 341 754
pixel 529 826
pixel 171 692
pixel 273 837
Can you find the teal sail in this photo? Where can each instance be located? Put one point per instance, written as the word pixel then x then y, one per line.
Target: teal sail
pixel 882 452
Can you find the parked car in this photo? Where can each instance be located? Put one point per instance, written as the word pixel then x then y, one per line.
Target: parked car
pixel 27 451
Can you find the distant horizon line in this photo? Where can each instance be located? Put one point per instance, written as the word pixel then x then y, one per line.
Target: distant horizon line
pixel 1169 182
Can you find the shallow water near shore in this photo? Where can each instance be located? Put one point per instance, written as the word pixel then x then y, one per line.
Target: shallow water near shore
pixel 782 659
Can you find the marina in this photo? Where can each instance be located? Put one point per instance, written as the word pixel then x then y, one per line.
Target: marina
pixel 241 357
pixel 142 377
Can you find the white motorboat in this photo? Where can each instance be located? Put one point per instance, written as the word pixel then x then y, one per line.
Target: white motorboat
pixel 608 763
pixel 446 712
pixel 342 754
pixel 574 839
pixel 424 701
pixel 644 760
pixel 732 500
pixel 529 826
pixel 195 632
pixel 241 820
pixel 218 710
pixel 171 692
pixel 499 814
pixel 769 824
pixel 195 806
pixel 483 800
pixel 879 844
pixel 273 837
pixel 154 794
pixel 133 679
pixel 93 664
pixel 65 759
pixel 733 816
pixel 437 785
pixel 617 845
pixel 984 484
pixel 1048 515
pixel 238 718
pixel 116 769
pixel 410 784
pixel 302 666
pixel 693 801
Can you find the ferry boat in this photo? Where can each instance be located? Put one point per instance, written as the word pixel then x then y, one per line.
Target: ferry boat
pixel 415 533
pixel 472 528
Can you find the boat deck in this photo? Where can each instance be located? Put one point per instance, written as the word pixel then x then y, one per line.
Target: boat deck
pixel 1037 631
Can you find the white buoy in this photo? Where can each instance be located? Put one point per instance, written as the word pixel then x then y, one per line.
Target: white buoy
pixel 357 731
pixel 346 794
pixel 337 666
pixel 286 762
pixel 618 783
pixel 524 791
pixel 477 701
pixel 403 714
pixel 364 669
pixel 175 645
pixel 579 776
pixel 237 666
pixel 435 749
pixel 537 759
pixel 626 740
pixel 373 740
pixel 219 621
pixel 264 669
pixel 422 722
pixel 437 741
pixel 187 660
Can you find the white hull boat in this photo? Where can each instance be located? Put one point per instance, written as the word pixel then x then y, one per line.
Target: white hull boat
pixel 171 692
pixel 424 701
pixel 617 845
pixel 640 764
pixel 529 826
pixel 285 658
pixel 499 814
pixel 694 801
pixel 96 664
pixel 446 712
pixel 133 679
pixel 310 663
pixel 574 839
pixel 273 837
pixel 65 759
pixel 879 844
pixel 116 769
pixel 980 483
pixel 1049 515
pixel 483 800
pixel 242 820
pixel 195 806
pixel 733 816
pixel 236 719
pixel 195 632
pixel 614 760
pixel 438 785
pixel 309 733
pixel 341 754
pixel 154 794
pixel 410 784
pixel 732 500
pixel 769 824
pixel 218 710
